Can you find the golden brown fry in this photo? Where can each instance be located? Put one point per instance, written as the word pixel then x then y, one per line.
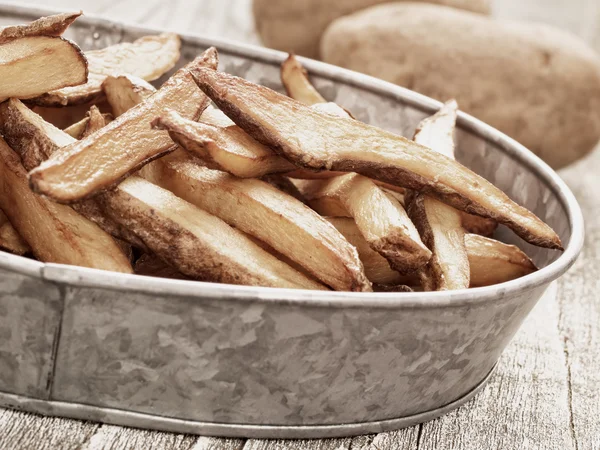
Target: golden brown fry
pixel 320 141
pixel 229 149
pixel 54 25
pixel 494 262
pixel 103 159
pixel 35 141
pixel 439 224
pixel 381 219
pixel 490 261
pixel 266 213
pixel 10 239
pixel 152 266
pixel 125 91
pixel 148 57
pixel 30 66
pixel 195 242
pixel 55 232
pixel 96 121
pixel 78 129
pixel 295 80
pixel 377 268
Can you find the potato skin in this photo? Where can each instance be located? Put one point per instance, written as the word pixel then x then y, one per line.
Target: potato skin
pixel 539 85
pixel 297 25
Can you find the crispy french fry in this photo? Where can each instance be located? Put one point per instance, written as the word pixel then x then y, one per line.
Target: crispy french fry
pixel 148 57
pixel 96 121
pixel 125 91
pixel 32 65
pixel 54 25
pixel 266 213
pixel 315 140
pixel 103 159
pixel 64 116
pixel 295 80
pixel 494 262
pixel 81 128
pixel 55 232
pixel 439 224
pixel 229 149
pixel 10 239
pixel 152 266
pixel 195 242
pixel 491 262
pixel 381 219
pixel 35 141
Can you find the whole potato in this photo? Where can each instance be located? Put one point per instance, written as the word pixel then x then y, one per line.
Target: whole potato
pixel 535 83
pixel 297 25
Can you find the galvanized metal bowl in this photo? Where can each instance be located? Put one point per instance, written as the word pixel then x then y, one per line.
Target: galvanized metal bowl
pixel 261 362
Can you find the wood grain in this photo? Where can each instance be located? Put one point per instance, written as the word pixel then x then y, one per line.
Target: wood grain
pixel 545 394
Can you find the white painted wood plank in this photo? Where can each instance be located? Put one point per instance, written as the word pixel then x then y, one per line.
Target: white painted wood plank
pixel 210 443
pixel 109 437
pixel 305 444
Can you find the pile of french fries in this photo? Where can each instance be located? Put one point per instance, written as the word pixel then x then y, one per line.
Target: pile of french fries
pixel 99 169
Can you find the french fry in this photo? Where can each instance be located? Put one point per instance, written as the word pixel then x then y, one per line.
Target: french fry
pixel 295 80
pixel 32 65
pixel 494 262
pixel 81 128
pixel 125 91
pixel 148 57
pixel 55 232
pixel 491 262
pixel 96 121
pixel 478 225
pixel 10 239
pixel 195 242
pixel 35 140
pixel 319 141
pixel 284 184
pixel 266 213
pixel 103 159
pixel 64 116
pixel 439 224
pixel 54 25
pixel 381 219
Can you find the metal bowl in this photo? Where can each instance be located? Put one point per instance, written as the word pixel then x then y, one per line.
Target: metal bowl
pixel 260 362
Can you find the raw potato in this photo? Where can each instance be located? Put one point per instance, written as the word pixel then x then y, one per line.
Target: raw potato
pixel 10 239
pixel 32 65
pixel 297 25
pixel 95 164
pixel 195 242
pixel 320 141
pixel 148 57
pixel 55 232
pixel 539 85
pixel 264 212
pixel 54 25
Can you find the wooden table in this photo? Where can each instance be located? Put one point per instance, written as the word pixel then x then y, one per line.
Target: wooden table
pixel 544 395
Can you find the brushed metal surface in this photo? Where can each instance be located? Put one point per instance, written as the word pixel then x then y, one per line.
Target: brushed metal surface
pixel 284 362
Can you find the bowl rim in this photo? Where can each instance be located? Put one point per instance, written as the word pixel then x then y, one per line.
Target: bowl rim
pixel 80 277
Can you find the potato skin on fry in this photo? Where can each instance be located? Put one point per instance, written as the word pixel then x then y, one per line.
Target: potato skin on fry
pixel 193 241
pixel 148 57
pixel 54 25
pixel 33 65
pixel 10 239
pixel 55 232
pixel 266 213
pixel 95 163
pixel 318 141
